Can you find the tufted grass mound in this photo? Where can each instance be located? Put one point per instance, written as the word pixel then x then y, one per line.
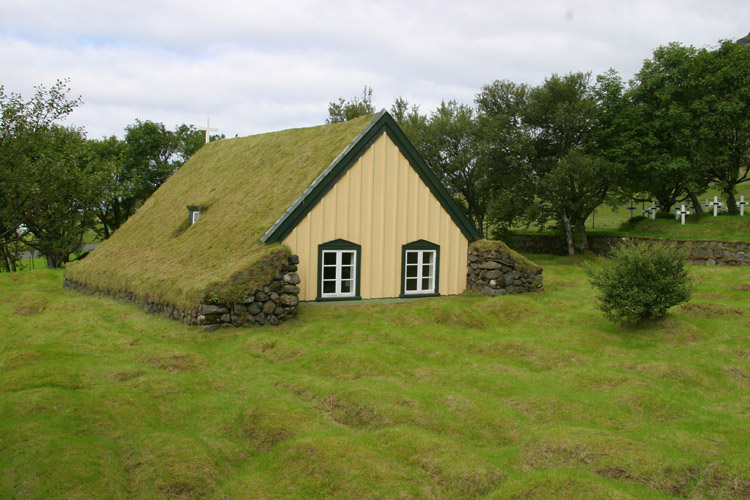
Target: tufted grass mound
pixel 242 187
pixel 521 396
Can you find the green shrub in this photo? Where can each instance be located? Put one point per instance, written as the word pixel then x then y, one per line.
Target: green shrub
pixel 641 281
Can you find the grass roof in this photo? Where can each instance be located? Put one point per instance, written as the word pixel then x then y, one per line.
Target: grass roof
pixel 242 187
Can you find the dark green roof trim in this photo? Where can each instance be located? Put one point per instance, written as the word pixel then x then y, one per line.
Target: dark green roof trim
pixel 382 122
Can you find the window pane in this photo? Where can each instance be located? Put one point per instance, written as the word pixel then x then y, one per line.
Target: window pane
pixel 329 258
pixel 426 285
pixel 347 258
pixel 411 271
pixel 427 257
pixel 346 273
pixel 329 287
pixel 411 285
pixel 329 273
pixel 427 271
pixel 411 257
pixel 346 286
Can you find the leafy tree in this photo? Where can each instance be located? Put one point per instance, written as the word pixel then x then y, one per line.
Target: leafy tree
pixel 64 189
pixel 29 139
pixel 503 150
pixel 108 156
pixel 344 110
pixel 661 129
pixel 448 145
pixel 567 168
pixel 722 116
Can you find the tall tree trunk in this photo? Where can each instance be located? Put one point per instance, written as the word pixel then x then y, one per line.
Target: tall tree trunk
pixel 55 260
pixel 731 202
pixel 583 236
pixel 568 233
pixel 118 215
pixel 696 204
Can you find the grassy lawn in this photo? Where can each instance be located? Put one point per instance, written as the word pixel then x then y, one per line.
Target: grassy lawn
pixel 532 396
pixel 724 227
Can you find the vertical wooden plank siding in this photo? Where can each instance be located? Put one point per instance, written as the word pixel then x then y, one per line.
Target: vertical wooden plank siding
pixel 381 204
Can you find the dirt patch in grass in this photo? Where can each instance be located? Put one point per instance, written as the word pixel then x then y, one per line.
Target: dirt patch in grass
pixel 507 311
pixel 20 359
pixel 275 349
pixel 711 310
pixel 261 426
pixel 532 355
pixel 454 468
pixel 30 305
pixel 171 466
pixel 175 363
pixel 674 333
pixel 743 287
pixel 345 411
pixel 125 376
pixel 559 454
pixel 740 376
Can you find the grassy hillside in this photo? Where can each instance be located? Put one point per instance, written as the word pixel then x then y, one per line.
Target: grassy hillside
pixel 242 187
pixel 708 227
pixel 532 396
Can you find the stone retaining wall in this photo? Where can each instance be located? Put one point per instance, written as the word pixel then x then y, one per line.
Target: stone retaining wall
pixel 702 252
pixel 494 269
pixel 707 252
pixel 272 303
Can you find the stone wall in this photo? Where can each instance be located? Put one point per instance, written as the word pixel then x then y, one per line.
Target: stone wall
pixel 538 243
pixel 702 252
pixel 494 269
pixel 271 303
pixel 708 252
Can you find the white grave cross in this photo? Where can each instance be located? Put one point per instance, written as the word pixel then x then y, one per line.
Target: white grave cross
pixel 682 212
pixel 654 208
pixel 208 129
pixel 631 208
pixel 742 204
pixel 716 204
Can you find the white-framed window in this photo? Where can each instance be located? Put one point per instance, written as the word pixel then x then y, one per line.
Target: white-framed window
pixel 339 273
pixel 194 216
pixel 338 270
pixel 419 270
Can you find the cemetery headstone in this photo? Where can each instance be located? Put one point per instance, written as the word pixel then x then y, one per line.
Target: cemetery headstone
pixel 742 204
pixel 716 204
pixel 682 213
pixel 631 208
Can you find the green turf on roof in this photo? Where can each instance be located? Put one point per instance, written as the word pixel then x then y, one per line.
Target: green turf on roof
pixel 242 187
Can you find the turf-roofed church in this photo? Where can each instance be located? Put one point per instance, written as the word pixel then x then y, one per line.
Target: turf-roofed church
pixel 338 212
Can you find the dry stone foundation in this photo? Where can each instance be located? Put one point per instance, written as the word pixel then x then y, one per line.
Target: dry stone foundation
pixel 269 304
pixel 494 270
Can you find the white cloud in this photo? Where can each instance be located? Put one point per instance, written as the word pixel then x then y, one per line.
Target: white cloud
pixel 260 66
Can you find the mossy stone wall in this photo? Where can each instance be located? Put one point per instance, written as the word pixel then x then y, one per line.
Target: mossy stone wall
pixel 707 252
pixel 494 269
pixel 271 303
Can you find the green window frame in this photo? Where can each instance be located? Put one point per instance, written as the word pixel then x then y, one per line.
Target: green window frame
pixel 339 266
pixel 193 214
pixel 420 269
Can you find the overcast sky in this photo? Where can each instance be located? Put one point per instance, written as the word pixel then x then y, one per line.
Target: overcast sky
pixel 262 66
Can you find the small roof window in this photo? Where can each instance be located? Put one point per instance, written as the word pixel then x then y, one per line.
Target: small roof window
pixel 194 212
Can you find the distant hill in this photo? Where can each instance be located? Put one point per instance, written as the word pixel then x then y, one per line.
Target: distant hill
pixel 744 40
